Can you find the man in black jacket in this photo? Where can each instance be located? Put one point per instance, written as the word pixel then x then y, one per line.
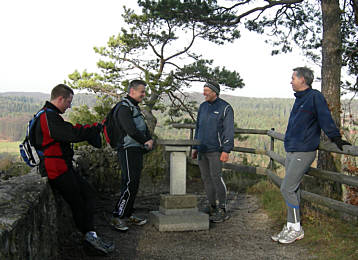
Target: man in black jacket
pixel 134 142
pixel 54 136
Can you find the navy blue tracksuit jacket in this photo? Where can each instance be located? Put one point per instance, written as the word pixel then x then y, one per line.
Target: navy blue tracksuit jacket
pixel 308 116
pixel 215 127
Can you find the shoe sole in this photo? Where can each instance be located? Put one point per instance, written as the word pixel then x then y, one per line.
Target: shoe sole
pixel 275 240
pixel 91 250
pixel 221 220
pixel 289 242
pixel 123 229
pixel 139 223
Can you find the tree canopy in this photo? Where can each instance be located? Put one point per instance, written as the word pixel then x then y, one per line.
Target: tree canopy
pixel 325 30
pixel 290 22
pixel 160 51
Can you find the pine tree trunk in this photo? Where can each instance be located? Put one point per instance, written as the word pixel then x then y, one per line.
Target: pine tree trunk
pixel 148 112
pixel 331 75
pixel 150 119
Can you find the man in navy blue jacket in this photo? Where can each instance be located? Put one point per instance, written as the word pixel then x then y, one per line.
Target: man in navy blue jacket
pixel 309 114
pixel 215 131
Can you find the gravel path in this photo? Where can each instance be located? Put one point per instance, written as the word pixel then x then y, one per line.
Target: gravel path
pixel 246 235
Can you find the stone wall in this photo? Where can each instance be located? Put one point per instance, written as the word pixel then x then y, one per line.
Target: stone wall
pixel 102 170
pixel 32 219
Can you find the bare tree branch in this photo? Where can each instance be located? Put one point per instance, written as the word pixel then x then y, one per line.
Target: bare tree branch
pixel 185 48
pixel 173 97
pixel 251 11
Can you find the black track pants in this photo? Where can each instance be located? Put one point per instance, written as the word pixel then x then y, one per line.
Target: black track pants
pixel 78 193
pixel 131 161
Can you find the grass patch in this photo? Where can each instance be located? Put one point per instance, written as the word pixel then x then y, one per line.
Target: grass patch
pixel 326 237
pixel 270 199
pixel 11 148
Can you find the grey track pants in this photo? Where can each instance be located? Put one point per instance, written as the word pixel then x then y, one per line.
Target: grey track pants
pixel 296 165
pixel 211 174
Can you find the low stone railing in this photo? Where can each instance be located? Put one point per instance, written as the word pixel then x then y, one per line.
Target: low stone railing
pixel 32 218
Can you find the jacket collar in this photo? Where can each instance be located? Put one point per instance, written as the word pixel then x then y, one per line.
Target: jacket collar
pixel 213 102
pixel 302 93
pixel 132 100
pixel 52 106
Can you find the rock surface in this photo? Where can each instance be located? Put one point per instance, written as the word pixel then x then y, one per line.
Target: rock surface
pixel 33 220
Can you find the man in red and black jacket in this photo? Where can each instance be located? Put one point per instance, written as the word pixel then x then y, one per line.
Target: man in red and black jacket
pixel 54 136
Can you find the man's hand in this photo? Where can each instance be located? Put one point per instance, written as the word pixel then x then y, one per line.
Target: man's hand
pixel 149 144
pixel 339 142
pixel 194 154
pixel 224 157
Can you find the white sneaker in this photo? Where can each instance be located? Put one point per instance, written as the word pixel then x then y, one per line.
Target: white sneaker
pixel 283 232
pixel 291 236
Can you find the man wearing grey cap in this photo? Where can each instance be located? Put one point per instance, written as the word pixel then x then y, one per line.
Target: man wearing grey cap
pixel 215 131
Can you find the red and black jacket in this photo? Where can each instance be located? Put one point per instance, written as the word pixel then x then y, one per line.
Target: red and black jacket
pixel 54 136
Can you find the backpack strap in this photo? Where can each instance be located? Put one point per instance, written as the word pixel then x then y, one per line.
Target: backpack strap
pixel 36 116
pixel 131 106
pixel 126 102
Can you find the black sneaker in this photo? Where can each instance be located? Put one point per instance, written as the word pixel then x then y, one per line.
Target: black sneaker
pixel 209 209
pixel 138 221
pixel 219 216
pixel 97 243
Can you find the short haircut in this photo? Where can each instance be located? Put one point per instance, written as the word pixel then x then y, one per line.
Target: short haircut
pixel 61 90
pixel 306 73
pixel 136 83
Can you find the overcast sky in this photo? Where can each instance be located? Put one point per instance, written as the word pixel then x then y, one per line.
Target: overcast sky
pixel 43 41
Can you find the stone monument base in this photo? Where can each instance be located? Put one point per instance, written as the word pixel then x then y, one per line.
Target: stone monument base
pixel 179 213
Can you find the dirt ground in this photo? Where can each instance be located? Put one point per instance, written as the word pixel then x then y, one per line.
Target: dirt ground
pixel 246 235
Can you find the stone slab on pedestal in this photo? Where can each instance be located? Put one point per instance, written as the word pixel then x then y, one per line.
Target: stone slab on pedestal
pixel 178 201
pixel 181 222
pixel 172 148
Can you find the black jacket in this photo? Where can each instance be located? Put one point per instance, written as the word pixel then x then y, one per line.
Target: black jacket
pixel 124 117
pixel 54 136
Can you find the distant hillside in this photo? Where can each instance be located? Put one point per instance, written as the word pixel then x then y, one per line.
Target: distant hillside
pixel 35 95
pixel 17 108
pixel 255 113
pixel 40 98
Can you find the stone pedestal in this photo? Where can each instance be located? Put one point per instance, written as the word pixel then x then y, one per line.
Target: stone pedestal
pixel 177 169
pixel 178 211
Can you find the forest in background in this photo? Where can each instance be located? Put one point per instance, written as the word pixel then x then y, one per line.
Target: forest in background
pixel 17 108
